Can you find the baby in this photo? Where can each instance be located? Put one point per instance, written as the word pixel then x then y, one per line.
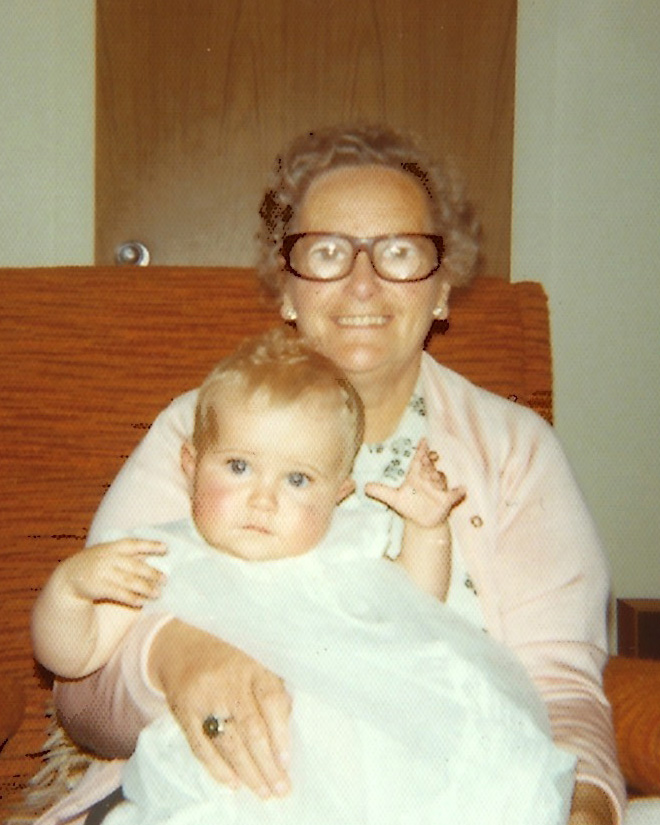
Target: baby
pixel 400 708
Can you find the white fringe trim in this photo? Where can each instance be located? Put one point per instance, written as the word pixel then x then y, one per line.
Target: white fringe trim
pixel 64 766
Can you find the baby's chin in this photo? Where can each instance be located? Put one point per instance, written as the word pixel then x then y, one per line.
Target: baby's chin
pixel 255 543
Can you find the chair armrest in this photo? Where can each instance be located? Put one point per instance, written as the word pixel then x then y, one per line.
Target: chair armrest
pixel 633 689
pixel 12 707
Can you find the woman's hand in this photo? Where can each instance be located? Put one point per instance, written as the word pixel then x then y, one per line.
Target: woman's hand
pixel 203 676
pixel 590 806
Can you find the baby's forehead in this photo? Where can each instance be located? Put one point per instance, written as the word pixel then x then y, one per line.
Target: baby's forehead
pixel 309 403
pixel 312 415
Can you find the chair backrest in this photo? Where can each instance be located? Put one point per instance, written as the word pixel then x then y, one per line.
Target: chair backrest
pixel 90 355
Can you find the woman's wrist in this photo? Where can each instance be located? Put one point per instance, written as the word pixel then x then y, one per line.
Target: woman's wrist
pixel 168 638
pixel 168 658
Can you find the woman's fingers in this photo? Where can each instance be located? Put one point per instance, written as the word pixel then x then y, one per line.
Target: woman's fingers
pixel 245 745
pixel 274 704
pixel 254 737
pixel 206 751
pixel 208 677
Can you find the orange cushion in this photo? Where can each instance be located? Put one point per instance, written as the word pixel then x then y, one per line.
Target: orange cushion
pixel 633 688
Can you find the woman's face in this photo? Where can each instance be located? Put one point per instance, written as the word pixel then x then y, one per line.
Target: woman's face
pixel 367 326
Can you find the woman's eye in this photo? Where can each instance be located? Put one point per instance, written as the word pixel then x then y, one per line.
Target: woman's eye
pixel 400 250
pixel 327 252
pixel 299 479
pixel 238 466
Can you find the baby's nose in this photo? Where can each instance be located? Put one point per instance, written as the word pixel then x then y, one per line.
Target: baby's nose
pixel 263 496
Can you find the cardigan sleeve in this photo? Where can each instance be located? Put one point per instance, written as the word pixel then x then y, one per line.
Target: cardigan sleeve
pixel 553 582
pixel 150 488
pixel 106 711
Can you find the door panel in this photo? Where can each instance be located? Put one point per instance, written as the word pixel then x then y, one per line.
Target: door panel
pixel 196 97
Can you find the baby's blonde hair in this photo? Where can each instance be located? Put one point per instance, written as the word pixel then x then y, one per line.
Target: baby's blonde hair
pixel 282 368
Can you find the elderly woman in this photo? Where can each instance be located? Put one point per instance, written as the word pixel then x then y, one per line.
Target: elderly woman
pixel 362 240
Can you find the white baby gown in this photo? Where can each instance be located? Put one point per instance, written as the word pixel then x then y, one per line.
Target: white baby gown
pixel 403 712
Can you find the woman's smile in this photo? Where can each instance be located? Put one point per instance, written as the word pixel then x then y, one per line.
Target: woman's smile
pixel 357 321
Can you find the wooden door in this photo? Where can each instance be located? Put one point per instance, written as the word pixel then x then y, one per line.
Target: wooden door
pixel 196 97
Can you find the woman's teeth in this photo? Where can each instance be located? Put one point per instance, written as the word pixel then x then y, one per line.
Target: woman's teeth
pixel 362 321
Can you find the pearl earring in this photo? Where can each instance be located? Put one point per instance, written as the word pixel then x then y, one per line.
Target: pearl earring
pixel 440 312
pixel 288 313
pixel 440 322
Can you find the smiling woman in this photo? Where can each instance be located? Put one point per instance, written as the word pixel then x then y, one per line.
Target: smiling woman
pixel 373 329
pixel 524 538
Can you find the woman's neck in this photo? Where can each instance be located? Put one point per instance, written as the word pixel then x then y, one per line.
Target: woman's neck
pixel 384 402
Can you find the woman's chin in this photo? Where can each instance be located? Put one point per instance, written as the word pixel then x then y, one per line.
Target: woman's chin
pixel 364 360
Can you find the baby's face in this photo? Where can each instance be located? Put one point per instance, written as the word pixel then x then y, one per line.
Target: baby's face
pixel 269 487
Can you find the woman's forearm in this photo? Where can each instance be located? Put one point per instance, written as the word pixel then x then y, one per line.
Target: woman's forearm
pixel 106 711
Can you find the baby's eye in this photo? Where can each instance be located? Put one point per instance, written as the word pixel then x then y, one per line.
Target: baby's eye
pixel 299 479
pixel 238 466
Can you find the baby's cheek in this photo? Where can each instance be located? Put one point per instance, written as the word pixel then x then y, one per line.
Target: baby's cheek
pixel 315 524
pixel 210 502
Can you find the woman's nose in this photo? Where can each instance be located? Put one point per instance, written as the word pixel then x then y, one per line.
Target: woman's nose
pixel 363 281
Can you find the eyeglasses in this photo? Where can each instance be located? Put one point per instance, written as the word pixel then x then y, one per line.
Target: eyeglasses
pixel 323 256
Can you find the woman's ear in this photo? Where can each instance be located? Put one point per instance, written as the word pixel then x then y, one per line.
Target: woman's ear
pixel 441 310
pixel 188 461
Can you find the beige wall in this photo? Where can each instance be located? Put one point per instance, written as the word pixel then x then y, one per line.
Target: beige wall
pixel 46 132
pixel 587 224
pixel 586 218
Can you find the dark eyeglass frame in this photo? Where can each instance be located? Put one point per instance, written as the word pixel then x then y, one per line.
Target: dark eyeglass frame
pixel 360 245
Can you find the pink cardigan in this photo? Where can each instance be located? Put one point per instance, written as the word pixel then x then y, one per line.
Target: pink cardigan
pixel 528 542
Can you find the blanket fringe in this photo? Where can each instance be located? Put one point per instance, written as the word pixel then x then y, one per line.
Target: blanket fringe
pixel 64 766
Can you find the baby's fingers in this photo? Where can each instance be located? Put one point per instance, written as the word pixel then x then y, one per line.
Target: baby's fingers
pixel 454 497
pixel 422 457
pixel 133 547
pixel 381 492
pixel 136 579
pixel 422 466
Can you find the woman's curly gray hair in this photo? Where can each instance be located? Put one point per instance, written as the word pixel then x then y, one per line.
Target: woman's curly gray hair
pixel 317 152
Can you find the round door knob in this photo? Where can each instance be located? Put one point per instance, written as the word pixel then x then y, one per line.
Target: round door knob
pixel 132 253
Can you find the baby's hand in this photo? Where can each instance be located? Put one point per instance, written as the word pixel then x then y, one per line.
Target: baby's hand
pixel 115 571
pixel 423 497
